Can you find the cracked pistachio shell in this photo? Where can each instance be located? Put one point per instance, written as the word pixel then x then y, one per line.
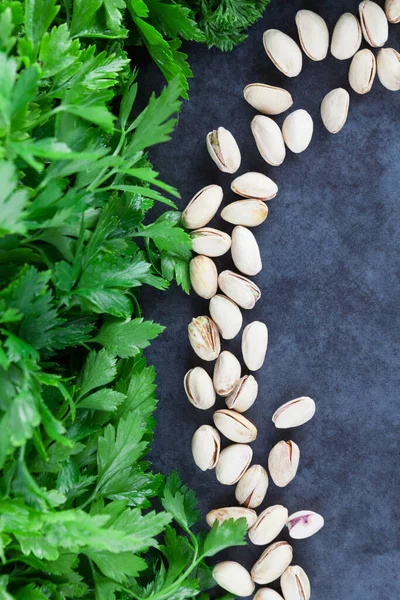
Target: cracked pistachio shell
pixel 297 130
pixel 346 37
pixel 252 487
pixel 239 289
pixel 223 149
pixel 256 186
pixel 231 512
pixel 267 594
pixel 388 64
pixel 267 99
pixel 233 578
pixel 392 10
pixel 295 584
pixel 269 140
pixel 334 109
pixel 235 427
pixel 304 524
pixel 202 207
pixel 249 213
pixel 254 345
pixel 245 251
pixel 313 34
pixel 210 242
pixel 227 371
pixel 204 338
pixel 233 463
pixel 199 388
pixel 283 51
pixel 269 524
pixel 374 23
pixel 283 462
pixel 206 443
pixel 272 563
pixel 203 276
pixel 243 395
pixel 294 413
pixel 362 71
pixel 226 315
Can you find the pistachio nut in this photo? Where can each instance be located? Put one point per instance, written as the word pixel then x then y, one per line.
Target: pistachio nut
pixel 226 315
pixel 267 594
pixel 233 463
pixel 206 443
pixel 392 10
pixel 202 207
pixel 269 140
pixel 267 99
pixel 204 338
pixel 334 109
pixel 294 413
pixel 269 524
pixel 249 213
pixel 231 512
pixel 346 37
pixel 227 372
pixel 223 149
pixel 313 34
pixel 374 23
pixel 235 426
pixel 256 186
pixel 254 345
pixel 240 289
pixel 388 64
pixel 252 487
pixel 297 130
pixel 243 395
pixel 203 276
pixel 295 584
pixel 283 462
pixel 304 524
pixel 210 242
pixel 283 51
pixel 199 388
pixel 245 251
pixel 233 578
pixel 272 563
pixel 362 71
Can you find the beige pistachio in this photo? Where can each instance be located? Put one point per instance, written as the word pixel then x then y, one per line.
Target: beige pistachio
pixel 210 242
pixel 334 109
pixel 374 23
pixel 346 37
pixel 295 584
pixel 249 213
pixel 235 427
pixel 392 10
pixel 256 186
pixel 252 487
pixel 199 388
pixel 231 512
pixel 269 524
pixel 267 594
pixel 240 289
pixel 272 563
pixel 254 345
pixel 283 462
pixel 243 395
pixel 233 578
pixel 313 34
pixel 304 524
pixel 227 373
pixel 202 207
pixel 245 251
pixel 269 140
pixel 294 413
pixel 204 338
pixel 267 99
pixel 283 51
pixel 224 150
pixel 388 64
pixel 362 71
pixel 233 463
pixel 206 443
pixel 297 130
pixel 203 276
pixel 226 315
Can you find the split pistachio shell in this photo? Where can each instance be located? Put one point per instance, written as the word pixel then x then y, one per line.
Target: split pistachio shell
pixel 283 51
pixel 269 140
pixel 334 109
pixel 203 276
pixel 210 242
pixel 252 487
pixel 254 345
pixel 199 388
pixel 267 594
pixel 295 584
pixel 388 63
pixel 245 251
pixel 362 71
pixel 392 10
pixel 346 37
pixel 202 207
pixel 206 443
pixel 231 512
pixel 244 394
pixel 240 289
pixel 294 413
pixel 226 315
pixel 297 130
pixel 313 34
pixel 304 524
pixel 233 463
pixel 233 578
pixel 374 23
pixel 224 150
pixel 226 373
pixel 249 213
pixel 272 563
pixel 235 427
pixel 283 462
pixel 204 338
pixel 256 186
pixel 267 99
pixel 269 524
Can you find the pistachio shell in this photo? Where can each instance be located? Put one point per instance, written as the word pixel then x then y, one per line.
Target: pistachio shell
pixel 231 512
pixel 272 563
pixel 295 584
pixel 210 242
pixel 240 289
pixel 267 594
pixel 233 463
pixel 244 394
pixel 245 251
pixel 283 462
pixel 374 23
pixel 202 207
pixel 199 388
pixel 362 71
pixel 254 345
pixel 226 373
pixel 388 64
pixel 267 99
pixel 235 427
pixel 304 524
pixel 206 443
pixel 334 109
pixel 255 186
pixel 283 51
pixel 226 315
pixel 346 37
pixel 204 338
pixel 224 150
pixel 392 10
pixel 233 578
pixel 294 413
pixel 269 140
pixel 203 276
pixel 313 34
pixel 297 130
pixel 269 524
pixel 249 213
pixel 252 487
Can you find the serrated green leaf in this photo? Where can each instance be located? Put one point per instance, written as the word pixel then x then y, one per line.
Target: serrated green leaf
pixel 99 369
pixel 180 502
pixel 229 533
pixel 128 337
pixel 12 201
pixel 105 399
pixel 57 51
pixel 39 14
pixel 117 567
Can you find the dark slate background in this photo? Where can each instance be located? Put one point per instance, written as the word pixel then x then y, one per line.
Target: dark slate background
pixel 330 295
